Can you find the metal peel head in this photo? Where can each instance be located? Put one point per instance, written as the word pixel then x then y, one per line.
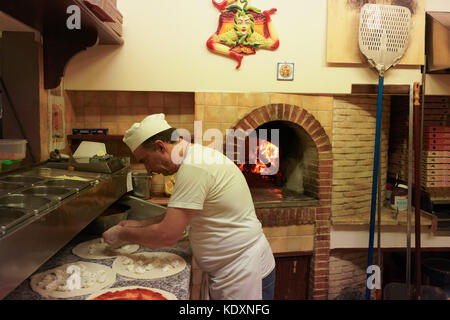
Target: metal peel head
pixel 383 34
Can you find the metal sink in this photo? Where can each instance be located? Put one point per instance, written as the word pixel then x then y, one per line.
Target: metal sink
pixel 26 202
pixel 10 217
pixel 49 192
pixel 67 183
pixel 24 180
pixel 6 187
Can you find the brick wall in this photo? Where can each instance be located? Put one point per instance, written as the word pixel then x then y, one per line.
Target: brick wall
pixel 354 121
pixel 348 274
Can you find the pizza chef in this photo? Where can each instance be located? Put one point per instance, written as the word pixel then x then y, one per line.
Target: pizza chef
pixel 212 196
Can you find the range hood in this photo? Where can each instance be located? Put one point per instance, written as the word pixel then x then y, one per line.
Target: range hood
pixel 438 42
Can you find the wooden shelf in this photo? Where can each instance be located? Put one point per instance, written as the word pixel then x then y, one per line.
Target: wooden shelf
pixel 60 44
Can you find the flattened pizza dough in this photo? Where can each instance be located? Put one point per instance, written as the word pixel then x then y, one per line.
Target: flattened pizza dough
pixel 149 265
pixel 55 283
pixel 98 249
pixel 132 293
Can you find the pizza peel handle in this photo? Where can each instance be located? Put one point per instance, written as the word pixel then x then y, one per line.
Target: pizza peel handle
pixel 383 39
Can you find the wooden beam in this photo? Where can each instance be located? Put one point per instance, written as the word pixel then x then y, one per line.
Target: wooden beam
pixel 390 89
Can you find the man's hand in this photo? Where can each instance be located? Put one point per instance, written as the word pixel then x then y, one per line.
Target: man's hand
pixel 112 237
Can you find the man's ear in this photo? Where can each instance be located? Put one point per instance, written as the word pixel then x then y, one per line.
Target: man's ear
pixel 160 146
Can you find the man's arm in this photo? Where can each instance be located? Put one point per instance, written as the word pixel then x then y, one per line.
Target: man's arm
pixel 141 223
pixel 164 234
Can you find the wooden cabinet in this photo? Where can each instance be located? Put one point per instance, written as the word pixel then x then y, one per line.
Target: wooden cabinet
pixel 292 277
pixel 60 43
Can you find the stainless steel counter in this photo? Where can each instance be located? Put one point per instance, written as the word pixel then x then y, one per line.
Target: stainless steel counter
pixel 34 240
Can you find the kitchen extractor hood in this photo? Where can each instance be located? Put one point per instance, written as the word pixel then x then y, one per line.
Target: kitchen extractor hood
pixel 438 42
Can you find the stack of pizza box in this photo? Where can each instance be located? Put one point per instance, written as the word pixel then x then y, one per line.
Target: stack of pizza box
pixel 436 148
pixel 435 157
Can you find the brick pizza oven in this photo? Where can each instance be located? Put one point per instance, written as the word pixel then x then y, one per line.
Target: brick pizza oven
pixel 300 193
pixel 305 162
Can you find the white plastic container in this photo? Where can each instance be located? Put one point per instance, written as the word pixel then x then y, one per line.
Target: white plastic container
pixel 399 198
pixel 12 149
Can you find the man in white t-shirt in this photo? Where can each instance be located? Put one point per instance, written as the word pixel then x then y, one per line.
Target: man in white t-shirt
pixel 212 196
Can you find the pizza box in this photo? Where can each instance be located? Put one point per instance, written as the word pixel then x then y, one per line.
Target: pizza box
pixel 440 166
pixel 436 147
pixel 435 141
pixel 436 99
pixel 436 123
pixel 435 154
pixel 436 163
pixel 445 172
pixel 436 135
pixel 435 178
pixel 437 111
pixel 435 117
pixel 435 184
pixel 436 129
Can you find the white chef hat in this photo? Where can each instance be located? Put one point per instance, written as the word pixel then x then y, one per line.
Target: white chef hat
pixel 139 132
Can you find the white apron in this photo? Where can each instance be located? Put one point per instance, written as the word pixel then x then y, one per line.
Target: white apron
pixel 240 279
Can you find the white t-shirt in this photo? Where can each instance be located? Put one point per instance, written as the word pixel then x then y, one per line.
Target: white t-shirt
pixel 226 237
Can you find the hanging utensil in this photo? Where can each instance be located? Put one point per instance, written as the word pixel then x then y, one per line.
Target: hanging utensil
pixel 410 180
pixel 383 39
pixel 417 189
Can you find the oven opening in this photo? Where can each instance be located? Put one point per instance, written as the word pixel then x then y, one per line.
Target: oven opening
pixel 281 163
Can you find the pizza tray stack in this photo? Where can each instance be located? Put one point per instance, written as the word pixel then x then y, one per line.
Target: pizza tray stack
pixel 436 162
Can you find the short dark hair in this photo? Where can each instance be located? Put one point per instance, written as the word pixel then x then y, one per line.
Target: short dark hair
pixel 169 136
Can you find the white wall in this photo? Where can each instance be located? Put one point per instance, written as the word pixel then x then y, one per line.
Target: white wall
pixel 165 50
pixel 437 5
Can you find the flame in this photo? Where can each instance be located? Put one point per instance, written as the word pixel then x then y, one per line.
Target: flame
pixel 269 153
pixel 267 160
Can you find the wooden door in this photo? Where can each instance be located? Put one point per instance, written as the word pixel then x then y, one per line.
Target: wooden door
pixel 292 277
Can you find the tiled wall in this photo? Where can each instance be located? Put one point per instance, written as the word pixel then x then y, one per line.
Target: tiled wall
pixel 224 110
pixel 118 110
pixel 293 238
